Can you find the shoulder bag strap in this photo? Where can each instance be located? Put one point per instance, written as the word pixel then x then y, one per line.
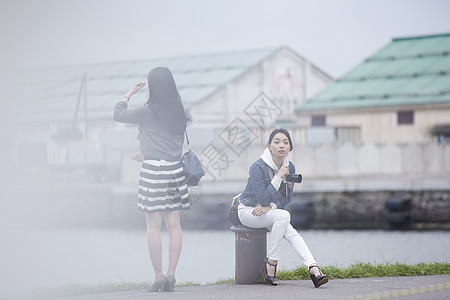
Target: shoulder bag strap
pixel 187 139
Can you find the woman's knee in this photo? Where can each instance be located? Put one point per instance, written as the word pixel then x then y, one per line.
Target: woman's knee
pixel 173 220
pixel 284 215
pixel 153 221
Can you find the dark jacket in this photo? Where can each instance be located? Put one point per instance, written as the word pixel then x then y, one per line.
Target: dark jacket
pixel 260 191
pixel 155 140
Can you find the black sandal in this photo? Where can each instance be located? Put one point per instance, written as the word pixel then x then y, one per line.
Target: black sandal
pixel 319 279
pixel 272 280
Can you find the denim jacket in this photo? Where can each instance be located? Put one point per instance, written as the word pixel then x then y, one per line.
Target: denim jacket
pixel 259 190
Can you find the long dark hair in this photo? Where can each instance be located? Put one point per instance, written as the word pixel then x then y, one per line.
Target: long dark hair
pixel 165 100
pixel 282 130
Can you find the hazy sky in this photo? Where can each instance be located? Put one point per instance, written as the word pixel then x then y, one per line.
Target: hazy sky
pixel 335 35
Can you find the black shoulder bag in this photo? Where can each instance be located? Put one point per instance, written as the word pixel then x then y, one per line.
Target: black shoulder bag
pixel 192 167
pixel 232 215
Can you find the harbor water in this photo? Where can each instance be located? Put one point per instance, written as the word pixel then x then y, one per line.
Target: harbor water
pixel 47 258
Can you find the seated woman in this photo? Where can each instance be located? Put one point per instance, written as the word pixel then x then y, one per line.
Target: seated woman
pixel 263 201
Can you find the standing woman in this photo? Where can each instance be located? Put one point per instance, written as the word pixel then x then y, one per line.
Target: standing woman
pixel 262 206
pixel 162 122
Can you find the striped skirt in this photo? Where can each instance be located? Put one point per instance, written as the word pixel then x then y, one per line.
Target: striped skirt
pixel 161 186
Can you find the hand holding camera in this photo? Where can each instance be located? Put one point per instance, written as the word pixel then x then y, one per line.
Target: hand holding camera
pixel 283 172
pixel 297 178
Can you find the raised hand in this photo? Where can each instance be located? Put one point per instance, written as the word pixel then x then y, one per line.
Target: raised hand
pixel 134 88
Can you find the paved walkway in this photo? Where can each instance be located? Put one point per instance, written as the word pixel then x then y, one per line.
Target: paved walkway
pixel 420 287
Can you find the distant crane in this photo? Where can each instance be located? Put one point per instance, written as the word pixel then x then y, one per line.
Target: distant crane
pixel 74 133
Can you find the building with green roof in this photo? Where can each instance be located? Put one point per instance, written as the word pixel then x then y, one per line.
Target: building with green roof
pixel 399 94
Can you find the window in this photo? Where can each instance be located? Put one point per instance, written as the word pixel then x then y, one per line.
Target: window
pixel 442 133
pixel 349 135
pixel 444 138
pixel 405 117
pixel 318 120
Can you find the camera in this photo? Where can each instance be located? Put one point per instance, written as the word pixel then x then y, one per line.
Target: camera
pixel 297 178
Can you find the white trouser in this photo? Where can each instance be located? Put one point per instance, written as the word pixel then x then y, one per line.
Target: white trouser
pixel 277 221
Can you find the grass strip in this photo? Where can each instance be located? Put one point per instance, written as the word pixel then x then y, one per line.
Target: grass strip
pixel 366 270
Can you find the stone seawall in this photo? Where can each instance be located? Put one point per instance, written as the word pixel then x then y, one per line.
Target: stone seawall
pixel 342 210
pixel 110 206
pixel 367 209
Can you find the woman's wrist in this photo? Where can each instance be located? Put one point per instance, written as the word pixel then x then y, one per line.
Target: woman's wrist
pixel 126 98
pixel 276 182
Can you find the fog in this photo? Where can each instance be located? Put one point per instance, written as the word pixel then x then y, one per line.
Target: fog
pixel 335 35
pixel 86 185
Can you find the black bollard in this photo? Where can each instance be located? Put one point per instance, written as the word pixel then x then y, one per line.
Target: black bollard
pixel 250 252
pixel 398 213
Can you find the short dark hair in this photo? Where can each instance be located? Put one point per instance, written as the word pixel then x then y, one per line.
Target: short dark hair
pixel 282 130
